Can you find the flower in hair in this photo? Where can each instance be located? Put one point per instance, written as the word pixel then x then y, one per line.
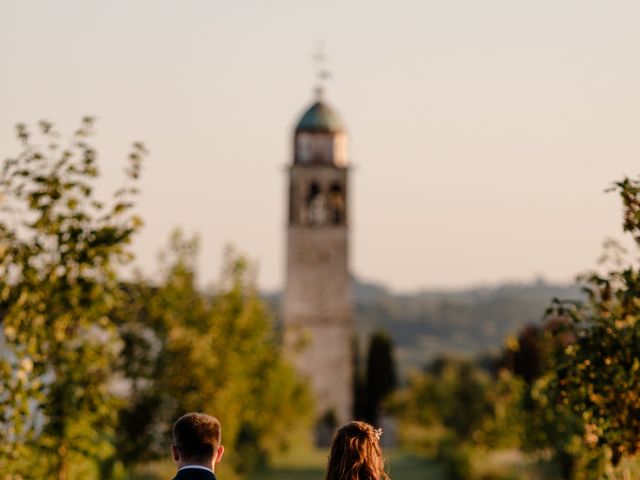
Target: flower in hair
pixel 377 433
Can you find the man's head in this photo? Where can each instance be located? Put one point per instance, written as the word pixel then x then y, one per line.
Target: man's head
pixel 196 440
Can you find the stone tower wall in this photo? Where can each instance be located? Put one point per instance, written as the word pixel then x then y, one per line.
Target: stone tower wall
pixel 317 307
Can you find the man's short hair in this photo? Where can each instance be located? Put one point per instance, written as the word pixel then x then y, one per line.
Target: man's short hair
pixel 197 436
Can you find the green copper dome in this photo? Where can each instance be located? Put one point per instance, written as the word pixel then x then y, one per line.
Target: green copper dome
pixel 320 118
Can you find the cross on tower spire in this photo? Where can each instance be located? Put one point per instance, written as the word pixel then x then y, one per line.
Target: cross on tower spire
pixel 322 72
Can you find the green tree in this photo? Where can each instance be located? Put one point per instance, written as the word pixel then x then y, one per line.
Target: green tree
pixel 217 353
pixel 59 250
pixel 456 393
pixel 455 404
pixel 359 383
pixel 380 377
pixel 593 391
pixel 450 394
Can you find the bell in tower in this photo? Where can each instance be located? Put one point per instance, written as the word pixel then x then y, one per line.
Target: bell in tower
pixel 317 306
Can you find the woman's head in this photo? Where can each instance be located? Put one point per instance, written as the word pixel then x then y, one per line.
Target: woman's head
pixel 356 454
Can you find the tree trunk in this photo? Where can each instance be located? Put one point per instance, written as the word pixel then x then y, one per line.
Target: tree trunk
pixel 63 467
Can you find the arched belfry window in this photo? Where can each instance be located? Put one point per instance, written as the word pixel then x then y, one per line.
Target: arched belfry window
pixel 315 205
pixel 336 205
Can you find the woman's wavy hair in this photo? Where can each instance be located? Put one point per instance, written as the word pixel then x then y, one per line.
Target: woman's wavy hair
pixel 356 454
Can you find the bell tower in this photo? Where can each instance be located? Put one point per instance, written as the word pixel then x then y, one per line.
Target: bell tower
pixel 317 306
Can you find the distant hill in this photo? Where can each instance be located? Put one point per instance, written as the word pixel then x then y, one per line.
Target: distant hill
pixel 464 322
pixel 456 322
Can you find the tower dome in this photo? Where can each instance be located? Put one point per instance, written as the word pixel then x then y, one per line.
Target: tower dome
pixel 320 118
pixel 320 137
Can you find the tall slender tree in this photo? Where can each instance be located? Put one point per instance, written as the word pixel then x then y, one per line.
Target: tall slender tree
pixel 381 377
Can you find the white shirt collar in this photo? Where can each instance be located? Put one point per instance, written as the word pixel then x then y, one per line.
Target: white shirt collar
pixel 199 467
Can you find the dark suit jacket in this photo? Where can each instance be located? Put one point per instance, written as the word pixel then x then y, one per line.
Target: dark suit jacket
pixel 194 474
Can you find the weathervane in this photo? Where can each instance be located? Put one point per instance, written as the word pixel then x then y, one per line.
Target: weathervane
pixel 322 73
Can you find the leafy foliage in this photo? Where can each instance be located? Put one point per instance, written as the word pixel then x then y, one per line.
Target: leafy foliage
pixel 594 388
pixel 460 400
pixel 58 257
pixel 215 353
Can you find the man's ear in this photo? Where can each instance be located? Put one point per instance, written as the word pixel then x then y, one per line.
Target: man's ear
pixel 175 452
pixel 219 454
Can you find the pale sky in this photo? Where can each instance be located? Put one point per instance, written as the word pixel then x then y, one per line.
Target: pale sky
pixel 483 133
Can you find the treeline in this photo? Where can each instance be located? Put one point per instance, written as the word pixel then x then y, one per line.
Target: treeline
pixel 94 369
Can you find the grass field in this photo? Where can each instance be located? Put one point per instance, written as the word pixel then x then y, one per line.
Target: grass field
pixel 304 462
pixel 311 465
pixel 308 465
